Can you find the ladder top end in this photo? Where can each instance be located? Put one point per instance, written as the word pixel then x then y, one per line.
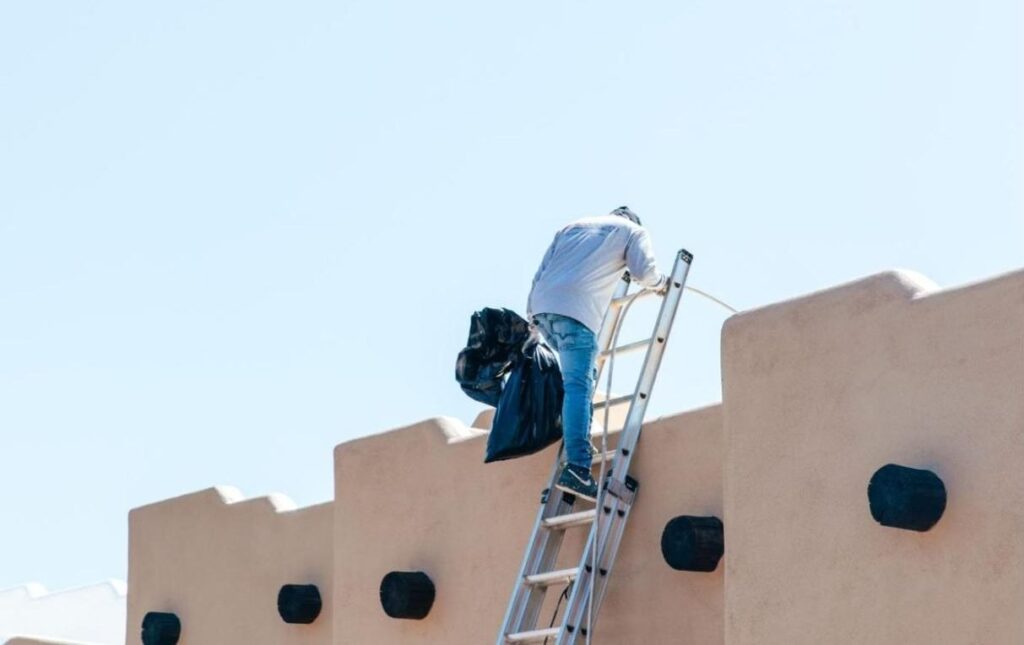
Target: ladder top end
pixel 686 255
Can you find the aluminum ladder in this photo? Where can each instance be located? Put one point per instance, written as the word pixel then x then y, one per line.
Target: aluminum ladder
pixel 615 500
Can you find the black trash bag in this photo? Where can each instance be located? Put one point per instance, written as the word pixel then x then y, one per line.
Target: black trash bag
pixel 495 337
pixel 529 414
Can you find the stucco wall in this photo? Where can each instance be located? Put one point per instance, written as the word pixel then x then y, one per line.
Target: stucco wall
pixel 218 561
pixel 822 391
pixel 819 393
pixel 93 613
pixel 437 508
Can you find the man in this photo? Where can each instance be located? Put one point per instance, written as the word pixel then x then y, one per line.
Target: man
pixel 571 292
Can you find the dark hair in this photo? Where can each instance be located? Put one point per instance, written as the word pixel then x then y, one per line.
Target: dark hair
pixel 623 211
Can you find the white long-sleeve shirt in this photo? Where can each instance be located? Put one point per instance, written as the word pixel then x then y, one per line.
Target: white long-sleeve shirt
pixel 578 274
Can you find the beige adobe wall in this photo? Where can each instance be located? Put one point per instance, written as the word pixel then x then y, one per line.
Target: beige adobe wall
pixel 822 391
pixel 421 498
pixel 218 561
pixel 819 393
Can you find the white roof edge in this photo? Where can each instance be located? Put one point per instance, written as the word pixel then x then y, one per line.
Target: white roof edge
pixel 36 591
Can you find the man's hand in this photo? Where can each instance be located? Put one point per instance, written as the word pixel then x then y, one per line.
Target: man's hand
pixel 662 287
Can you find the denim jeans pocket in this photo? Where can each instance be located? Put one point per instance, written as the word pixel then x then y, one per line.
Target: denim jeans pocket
pixel 571 333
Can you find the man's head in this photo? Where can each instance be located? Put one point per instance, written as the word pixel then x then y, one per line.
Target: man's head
pixel 623 211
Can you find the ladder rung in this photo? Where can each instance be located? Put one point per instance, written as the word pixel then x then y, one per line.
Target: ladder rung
pixel 532 636
pixel 626 349
pixel 619 400
pixel 569 520
pixel 548 578
pixel 639 295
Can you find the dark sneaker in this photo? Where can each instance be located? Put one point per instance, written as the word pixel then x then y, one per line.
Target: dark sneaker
pixel 577 481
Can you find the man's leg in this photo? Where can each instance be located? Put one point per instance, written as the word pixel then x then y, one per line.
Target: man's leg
pixel 577 350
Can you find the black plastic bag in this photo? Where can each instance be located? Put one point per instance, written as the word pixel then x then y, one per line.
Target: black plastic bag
pixel 529 414
pixel 495 337
pixel 504 365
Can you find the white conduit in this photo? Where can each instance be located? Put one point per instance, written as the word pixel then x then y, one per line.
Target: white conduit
pixel 712 298
pixel 604 449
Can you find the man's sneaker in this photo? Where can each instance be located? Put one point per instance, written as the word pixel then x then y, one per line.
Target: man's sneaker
pixel 577 481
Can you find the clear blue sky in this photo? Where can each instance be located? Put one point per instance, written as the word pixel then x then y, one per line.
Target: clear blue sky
pixel 234 234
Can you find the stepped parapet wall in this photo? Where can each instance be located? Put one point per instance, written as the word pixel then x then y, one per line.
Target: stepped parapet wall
pixel 218 561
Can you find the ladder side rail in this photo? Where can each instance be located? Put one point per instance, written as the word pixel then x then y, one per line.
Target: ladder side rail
pixel 642 396
pixel 618 529
pixel 568 628
pixel 611 537
pixel 541 540
pixel 579 598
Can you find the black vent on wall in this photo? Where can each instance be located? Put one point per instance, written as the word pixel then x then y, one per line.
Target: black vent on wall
pixel 906 498
pixel 693 543
pixel 160 628
pixel 299 604
pixel 407 594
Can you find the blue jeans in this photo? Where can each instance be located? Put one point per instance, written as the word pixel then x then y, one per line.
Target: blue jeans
pixel 577 352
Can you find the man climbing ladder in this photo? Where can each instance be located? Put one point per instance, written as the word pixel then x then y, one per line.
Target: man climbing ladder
pixel 571 292
pixel 586 583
